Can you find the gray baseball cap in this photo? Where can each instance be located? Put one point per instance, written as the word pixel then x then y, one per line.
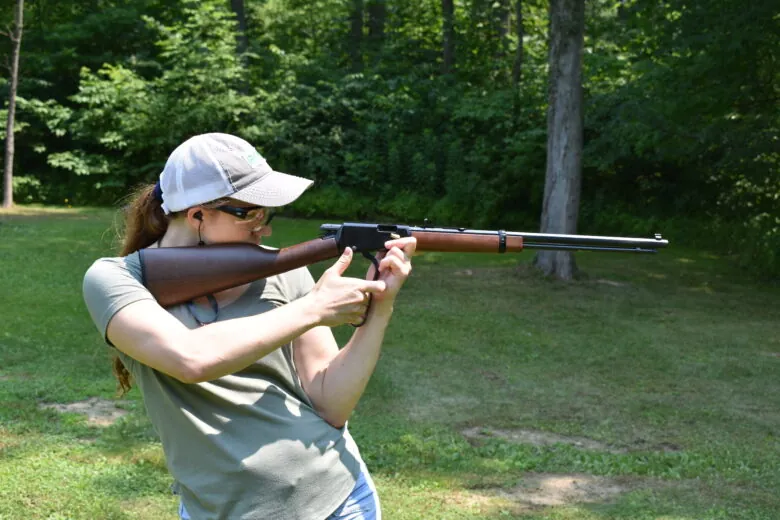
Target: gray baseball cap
pixel 207 167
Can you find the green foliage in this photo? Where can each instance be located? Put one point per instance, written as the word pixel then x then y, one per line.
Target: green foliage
pixel 690 125
pixel 332 202
pixel 126 124
pixel 679 98
pixel 27 189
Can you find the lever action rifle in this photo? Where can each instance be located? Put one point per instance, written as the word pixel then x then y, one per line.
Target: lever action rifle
pixel 180 274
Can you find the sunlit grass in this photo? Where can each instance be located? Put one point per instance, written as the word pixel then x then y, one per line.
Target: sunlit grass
pixel 672 360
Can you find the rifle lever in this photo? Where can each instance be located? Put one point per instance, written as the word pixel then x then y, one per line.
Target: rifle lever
pixel 374 261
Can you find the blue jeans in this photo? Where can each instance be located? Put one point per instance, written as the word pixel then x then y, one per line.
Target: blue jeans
pixel 361 504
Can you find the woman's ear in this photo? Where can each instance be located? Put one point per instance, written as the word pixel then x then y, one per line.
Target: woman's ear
pixel 195 213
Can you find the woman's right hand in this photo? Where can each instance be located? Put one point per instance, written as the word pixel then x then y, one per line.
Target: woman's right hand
pixel 339 300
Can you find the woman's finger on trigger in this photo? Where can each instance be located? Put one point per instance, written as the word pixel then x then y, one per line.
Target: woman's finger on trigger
pixel 378 258
pixel 383 265
pixel 393 264
pixel 372 287
pixel 400 256
pixel 401 263
pixel 391 257
pixel 400 253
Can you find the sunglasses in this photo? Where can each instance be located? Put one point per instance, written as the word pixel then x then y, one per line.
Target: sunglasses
pixel 248 214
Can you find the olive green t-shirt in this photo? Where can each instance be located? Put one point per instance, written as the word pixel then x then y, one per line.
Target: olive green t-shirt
pixel 247 445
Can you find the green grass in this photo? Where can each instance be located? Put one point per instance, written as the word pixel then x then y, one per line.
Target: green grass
pixel 670 361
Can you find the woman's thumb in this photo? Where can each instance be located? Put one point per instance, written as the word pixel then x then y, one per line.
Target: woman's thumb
pixel 343 262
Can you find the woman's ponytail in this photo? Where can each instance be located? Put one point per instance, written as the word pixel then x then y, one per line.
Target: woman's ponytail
pixel 145 220
pixel 145 224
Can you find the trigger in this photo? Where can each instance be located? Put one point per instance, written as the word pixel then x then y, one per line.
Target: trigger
pixel 373 261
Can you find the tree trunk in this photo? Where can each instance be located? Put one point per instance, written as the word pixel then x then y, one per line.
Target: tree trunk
pixel 377 13
pixel 502 11
pixel 564 133
pixel 356 35
pixel 448 34
pixel 242 41
pixel 517 67
pixel 8 167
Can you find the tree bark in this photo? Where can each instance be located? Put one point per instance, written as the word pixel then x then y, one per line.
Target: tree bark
pixel 517 67
pixel 564 133
pixel 377 13
pixel 242 41
pixel 356 35
pixel 376 16
pixel 448 36
pixel 8 167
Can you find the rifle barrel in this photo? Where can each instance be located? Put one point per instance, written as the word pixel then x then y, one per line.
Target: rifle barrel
pixel 534 240
pixel 588 242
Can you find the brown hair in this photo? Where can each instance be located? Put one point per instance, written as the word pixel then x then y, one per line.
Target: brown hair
pixel 145 223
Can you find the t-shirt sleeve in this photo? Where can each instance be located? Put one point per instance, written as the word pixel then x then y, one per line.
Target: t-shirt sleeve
pixel 304 282
pixel 109 285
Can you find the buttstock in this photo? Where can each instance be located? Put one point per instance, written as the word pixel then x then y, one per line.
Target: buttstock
pixel 176 275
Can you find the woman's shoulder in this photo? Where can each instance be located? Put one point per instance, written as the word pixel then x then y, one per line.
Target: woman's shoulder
pixel 110 284
pixel 114 267
pixel 296 283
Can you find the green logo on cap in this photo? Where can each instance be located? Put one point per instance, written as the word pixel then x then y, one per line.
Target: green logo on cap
pixel 253 158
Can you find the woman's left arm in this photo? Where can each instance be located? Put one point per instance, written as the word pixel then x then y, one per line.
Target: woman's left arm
pixel 335 379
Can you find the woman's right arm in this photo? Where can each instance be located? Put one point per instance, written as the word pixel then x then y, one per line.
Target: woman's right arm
pixel 149 334
pixel 146 332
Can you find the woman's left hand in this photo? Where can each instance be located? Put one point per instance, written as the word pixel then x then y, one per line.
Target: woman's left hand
pixel 394 267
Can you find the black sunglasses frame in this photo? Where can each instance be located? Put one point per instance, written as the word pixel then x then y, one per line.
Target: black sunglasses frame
pixel 243 213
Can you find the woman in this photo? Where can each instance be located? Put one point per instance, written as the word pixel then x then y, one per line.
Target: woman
pixel 246 388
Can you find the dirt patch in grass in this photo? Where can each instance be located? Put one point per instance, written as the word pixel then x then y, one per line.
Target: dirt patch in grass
pixel 8 441
pixel 425 410
pixel 611 283
pixel 545 489
pixel 537 438
pixel 15 377
pixel 470 500
pixel 464 272
pixel 100 412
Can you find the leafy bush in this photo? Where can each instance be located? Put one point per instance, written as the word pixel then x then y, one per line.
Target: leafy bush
pixel 27 189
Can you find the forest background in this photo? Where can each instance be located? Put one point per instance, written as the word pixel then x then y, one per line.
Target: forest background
pixel 413 109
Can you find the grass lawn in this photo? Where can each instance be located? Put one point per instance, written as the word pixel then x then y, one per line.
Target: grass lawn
pixel 648 390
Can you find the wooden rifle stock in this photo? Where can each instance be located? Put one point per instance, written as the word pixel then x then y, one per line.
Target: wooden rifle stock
pixel 179 274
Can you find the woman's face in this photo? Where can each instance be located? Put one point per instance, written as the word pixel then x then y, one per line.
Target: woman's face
pixel 236 222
